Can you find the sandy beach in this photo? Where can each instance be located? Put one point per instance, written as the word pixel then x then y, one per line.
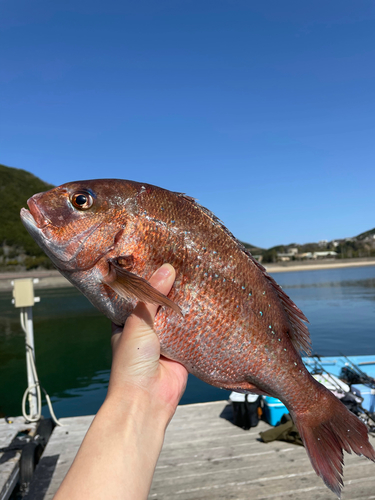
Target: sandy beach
pixel 53 279
pixel 318 264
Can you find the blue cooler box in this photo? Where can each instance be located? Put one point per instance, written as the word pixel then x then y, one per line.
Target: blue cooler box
pixel 273 409
pixel 367 394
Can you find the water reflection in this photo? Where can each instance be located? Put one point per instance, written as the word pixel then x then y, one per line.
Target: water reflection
pixel 339 304
pixel 338 278
pixel 72 342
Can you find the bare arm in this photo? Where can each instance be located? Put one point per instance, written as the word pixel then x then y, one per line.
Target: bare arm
pixel 118 455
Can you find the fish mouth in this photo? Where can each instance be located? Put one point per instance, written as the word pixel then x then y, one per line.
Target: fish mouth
pixel 35 216
pixel 27 218
pixel 35 224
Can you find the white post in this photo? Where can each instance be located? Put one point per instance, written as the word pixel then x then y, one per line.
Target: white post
pixel 23 293
pixel 29 339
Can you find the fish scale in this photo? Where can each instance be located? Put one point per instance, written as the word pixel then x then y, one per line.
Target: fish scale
pixel 225 319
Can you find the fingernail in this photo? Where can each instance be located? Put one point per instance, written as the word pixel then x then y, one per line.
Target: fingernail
pixel 165 271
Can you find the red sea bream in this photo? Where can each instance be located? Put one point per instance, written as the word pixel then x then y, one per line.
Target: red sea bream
pixel 225 319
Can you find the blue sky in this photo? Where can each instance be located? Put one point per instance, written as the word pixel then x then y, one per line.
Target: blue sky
pixel 263 111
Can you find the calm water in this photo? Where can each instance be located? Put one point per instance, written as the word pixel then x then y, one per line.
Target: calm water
pixel 72 339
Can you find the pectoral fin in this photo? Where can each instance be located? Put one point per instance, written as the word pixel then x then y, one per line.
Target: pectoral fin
pixel 128 284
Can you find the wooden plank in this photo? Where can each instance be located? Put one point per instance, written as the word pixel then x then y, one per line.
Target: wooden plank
pixel 58 456
pixel 225 462
pixel 9 458
pixel 206 457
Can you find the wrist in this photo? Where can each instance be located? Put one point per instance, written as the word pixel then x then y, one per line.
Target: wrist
pixel 132 403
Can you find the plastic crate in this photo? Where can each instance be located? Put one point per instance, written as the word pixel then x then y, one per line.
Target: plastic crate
pixel 273 410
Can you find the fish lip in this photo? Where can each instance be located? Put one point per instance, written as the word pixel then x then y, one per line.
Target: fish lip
pixel 39 220
pixel 27 217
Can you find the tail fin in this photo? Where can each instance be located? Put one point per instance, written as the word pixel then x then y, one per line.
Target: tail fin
pixel 325 440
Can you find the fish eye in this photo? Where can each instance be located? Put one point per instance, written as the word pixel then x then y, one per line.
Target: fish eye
pixel 82 200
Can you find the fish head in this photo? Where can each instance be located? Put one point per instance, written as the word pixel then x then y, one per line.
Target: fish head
pixel 84 227
pixel 78 223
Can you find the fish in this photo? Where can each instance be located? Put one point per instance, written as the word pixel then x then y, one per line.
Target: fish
pixel 225 319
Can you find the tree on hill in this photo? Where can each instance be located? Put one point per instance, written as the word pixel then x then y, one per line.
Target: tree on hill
pixel 270 255
pixel 252 248
pixel 16 187
pixel 362 236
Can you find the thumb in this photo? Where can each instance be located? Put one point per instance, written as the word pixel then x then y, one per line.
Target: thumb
pixel 144 314
pixel 136 350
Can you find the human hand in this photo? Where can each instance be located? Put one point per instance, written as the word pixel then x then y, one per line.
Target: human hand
pixel 118 456
pixel 137 363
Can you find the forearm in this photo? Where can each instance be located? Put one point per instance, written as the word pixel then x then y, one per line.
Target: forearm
pixel 118 455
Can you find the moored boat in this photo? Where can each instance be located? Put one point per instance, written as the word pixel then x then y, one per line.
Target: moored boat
pixel 350 378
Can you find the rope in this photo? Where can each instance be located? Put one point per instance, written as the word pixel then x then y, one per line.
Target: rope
pixel 37 386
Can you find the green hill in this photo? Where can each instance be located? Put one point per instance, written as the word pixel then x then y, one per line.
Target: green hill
pixel 252 248
pixel 16 186
pixel 365 235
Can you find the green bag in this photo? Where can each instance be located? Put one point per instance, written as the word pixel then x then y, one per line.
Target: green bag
pixel 285 431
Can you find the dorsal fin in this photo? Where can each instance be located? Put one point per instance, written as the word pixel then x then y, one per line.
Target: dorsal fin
pixel 299 334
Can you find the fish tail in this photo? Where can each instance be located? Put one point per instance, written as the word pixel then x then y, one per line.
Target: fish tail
pixel 327 433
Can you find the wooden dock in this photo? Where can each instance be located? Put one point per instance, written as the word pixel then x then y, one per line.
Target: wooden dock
pixel 206 457
pixel 10 452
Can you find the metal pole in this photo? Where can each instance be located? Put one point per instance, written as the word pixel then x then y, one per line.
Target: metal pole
pixel 30 352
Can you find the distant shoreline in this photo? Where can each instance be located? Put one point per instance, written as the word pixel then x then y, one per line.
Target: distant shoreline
pixel 318 264
pixel 53 279
pixel 47 279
